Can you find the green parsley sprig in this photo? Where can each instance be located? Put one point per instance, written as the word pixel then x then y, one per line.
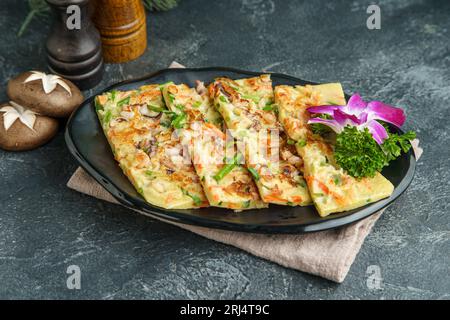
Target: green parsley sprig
pixel 359 154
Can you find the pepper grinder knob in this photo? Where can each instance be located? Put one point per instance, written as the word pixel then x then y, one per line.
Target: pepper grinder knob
pixel 73 46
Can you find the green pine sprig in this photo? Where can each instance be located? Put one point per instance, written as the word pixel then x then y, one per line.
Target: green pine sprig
pixel 38 8
pixel 160 5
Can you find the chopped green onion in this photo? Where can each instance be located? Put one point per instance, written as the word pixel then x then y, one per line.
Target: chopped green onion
pixel 197 200
pixel 302 183
pixel 252 97
pixel 230 144
pixel 179 120
pixel 337 179
pixel 254 173
pixel 246 204
pixel 154 108
pixel 318 194
pixel 107 117
pixel 165 124
pixel 269 107
pixel 113 95
pixel 98 105
pixel 301 143
pixel 223 99
pixel 124 101
pixel 290 142
pixel 197 104
pixel 226 169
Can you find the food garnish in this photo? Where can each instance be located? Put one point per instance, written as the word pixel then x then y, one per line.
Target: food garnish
pixel 364 143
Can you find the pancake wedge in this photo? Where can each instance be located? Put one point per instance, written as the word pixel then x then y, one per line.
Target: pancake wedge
pixel 293 118
pixel 331 189
pixel 247 108
pixel 227 184
pixel 137 126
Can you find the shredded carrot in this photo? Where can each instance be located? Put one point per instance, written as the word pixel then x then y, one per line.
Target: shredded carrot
pixel 204 204
pixel 233 205
pixel 323 187
pixel 273 198
pixel 169 198
pixel 339 199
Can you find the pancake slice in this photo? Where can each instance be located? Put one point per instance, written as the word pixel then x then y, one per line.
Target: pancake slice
pixel 227 184
pixel 137 126
pixel 331 189
pixel 248 110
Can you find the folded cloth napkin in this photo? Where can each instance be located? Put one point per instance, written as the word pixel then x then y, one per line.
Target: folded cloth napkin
pixel 328 254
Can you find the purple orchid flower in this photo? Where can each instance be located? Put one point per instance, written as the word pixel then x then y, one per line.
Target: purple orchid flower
pixel 362 115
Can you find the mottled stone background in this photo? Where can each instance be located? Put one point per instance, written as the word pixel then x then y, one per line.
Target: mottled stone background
pixel 45 227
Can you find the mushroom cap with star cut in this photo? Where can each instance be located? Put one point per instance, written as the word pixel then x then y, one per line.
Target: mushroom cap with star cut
pixel 49 81
pixel 22 129
pixel 15 111
pixel 46 94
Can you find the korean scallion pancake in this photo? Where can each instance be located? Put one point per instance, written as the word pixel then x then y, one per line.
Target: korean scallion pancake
pixel 137 126
pixel 202 132
pixel 248 110
pixel 331 188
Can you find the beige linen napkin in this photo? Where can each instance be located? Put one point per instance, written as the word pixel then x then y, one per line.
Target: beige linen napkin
pixel 328 254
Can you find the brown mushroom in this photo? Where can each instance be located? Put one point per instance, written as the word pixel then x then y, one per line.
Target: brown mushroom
pixel 18 136
pixel 45 94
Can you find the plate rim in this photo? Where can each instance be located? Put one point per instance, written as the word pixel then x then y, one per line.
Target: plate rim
pixel 146 208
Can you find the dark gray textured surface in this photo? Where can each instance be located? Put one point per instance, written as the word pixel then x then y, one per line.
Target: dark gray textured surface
pixel 45 227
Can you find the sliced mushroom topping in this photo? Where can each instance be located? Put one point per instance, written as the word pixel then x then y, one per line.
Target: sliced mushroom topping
pixel 196 126
pixel 128 115
pixel 115 121
pixel 256 125
pixel 269 118
pixel 285 154
pixel 290 173
pixel 148 146
pixel 147 112
pixel 224 90
pixel 200 87
pixel 295 160
pixel 158 186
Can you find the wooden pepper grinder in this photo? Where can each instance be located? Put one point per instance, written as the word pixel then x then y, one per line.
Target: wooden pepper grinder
pixel 122 27
pixel 74 49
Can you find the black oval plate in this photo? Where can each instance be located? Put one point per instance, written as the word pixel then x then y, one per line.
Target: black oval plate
pixel 86 141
